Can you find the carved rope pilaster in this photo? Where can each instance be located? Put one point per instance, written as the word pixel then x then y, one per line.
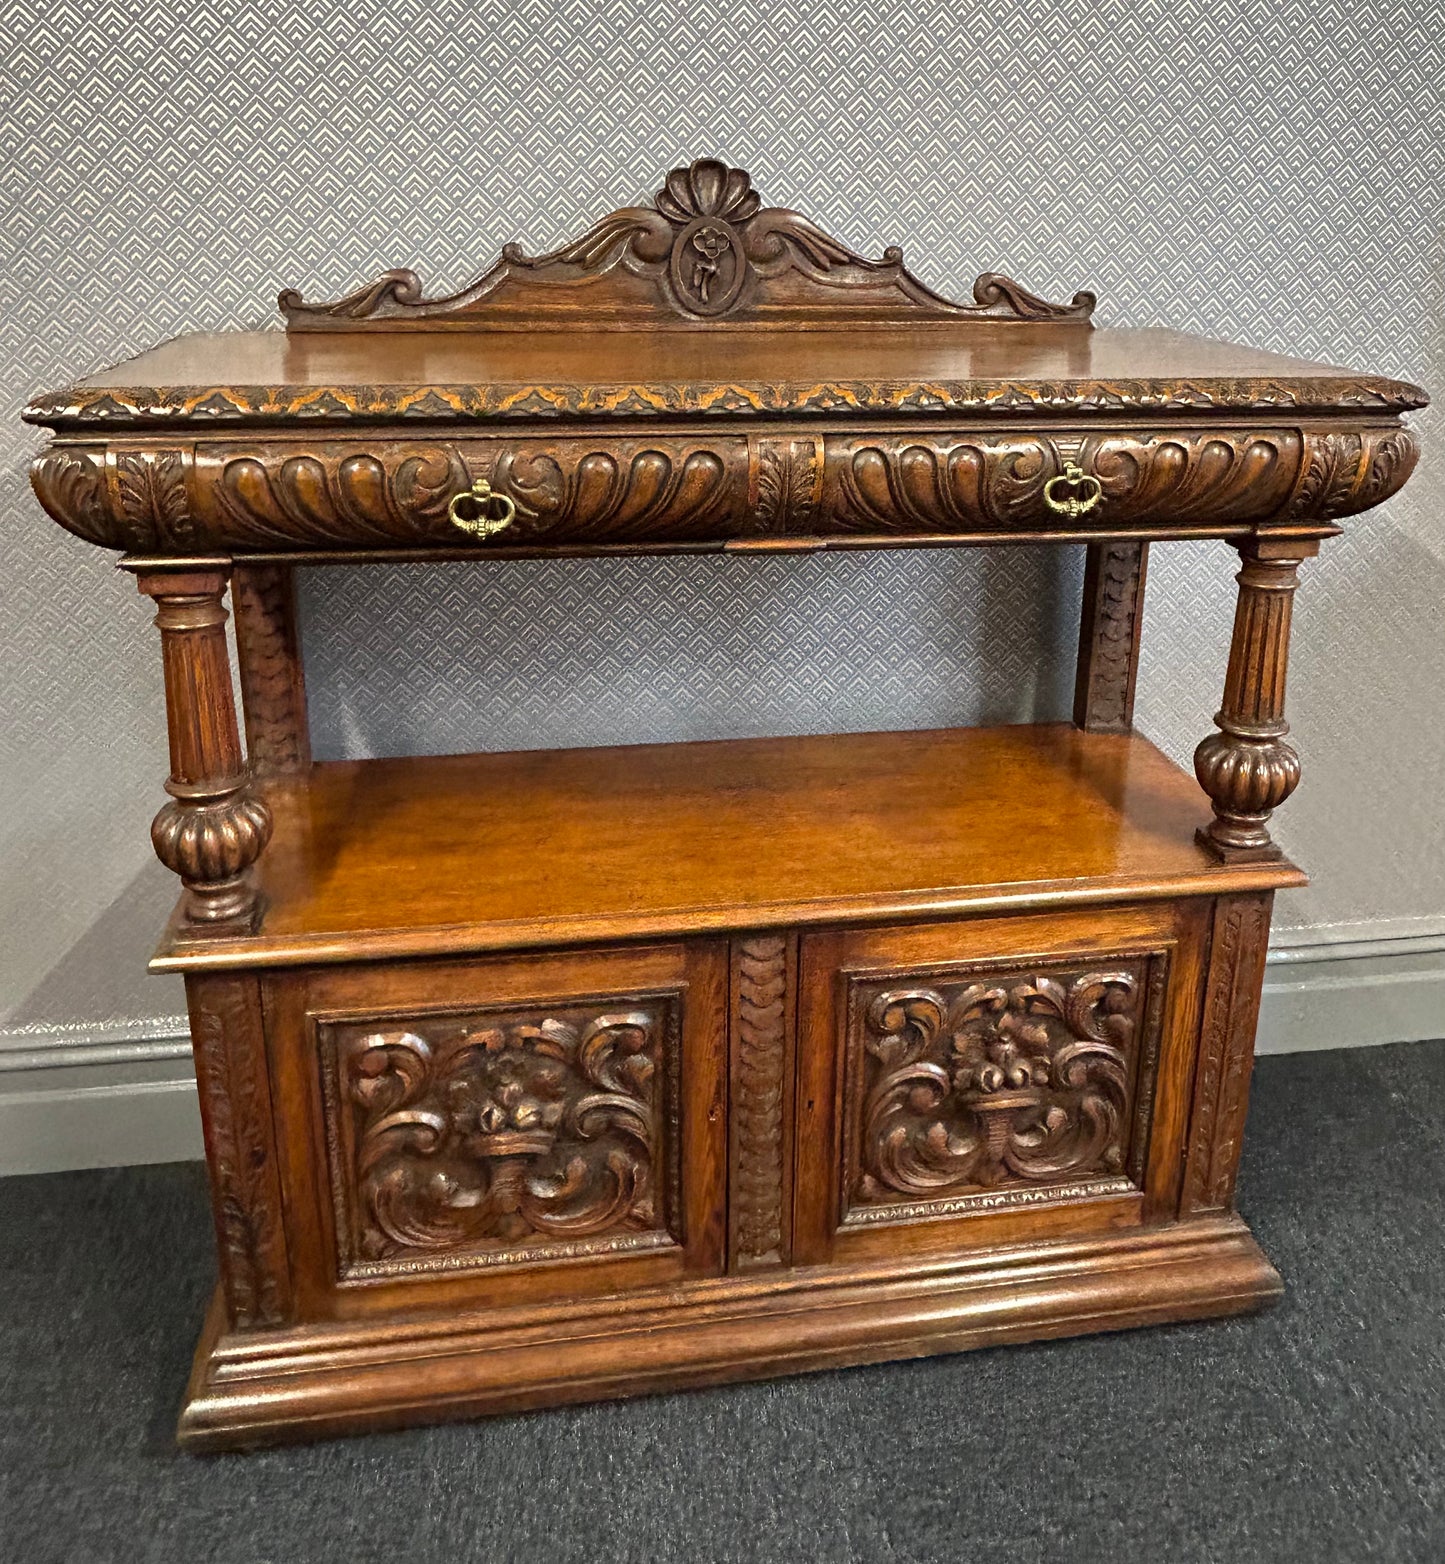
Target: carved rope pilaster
pixel 759 1106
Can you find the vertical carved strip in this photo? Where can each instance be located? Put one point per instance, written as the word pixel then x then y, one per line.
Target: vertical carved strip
pixel 1226 1052
pixel 273 680
pixel 214 828
pixel 1109 633
pixel 1247 768
pixel 760 1110
pixel 227 1034
pixel 785 484
pixel 1147 1069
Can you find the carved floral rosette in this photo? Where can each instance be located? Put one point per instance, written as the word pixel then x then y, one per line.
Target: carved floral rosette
pixel 503 1138
pixel 998 1087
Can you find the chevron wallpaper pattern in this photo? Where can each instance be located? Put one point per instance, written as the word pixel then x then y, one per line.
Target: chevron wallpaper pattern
pixel 1270 170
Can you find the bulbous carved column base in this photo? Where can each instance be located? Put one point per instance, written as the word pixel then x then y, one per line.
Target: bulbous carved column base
pixel 211 837
pixel 1247 776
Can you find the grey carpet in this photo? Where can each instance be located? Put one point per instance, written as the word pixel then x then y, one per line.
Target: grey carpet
pixel 1314 1432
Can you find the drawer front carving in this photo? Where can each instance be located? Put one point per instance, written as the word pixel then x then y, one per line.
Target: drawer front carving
pixel 397 494
pixel 998 1085
pixel 618 491
pixel 969 483
pixel 506 1136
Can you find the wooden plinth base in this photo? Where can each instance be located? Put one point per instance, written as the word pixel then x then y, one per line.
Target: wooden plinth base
pixel 261 1387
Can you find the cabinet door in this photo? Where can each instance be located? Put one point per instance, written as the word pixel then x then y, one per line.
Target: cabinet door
pixel 993 1081
pixel 477 1133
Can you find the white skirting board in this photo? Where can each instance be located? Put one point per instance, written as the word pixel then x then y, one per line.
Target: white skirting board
pixel 91 1098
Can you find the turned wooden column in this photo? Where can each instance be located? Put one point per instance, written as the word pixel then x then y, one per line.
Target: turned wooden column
pixel 214 828
pixel 1247 768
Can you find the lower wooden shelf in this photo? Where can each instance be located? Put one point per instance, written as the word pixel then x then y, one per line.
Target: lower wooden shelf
pixel 568 1075
pixel 435 854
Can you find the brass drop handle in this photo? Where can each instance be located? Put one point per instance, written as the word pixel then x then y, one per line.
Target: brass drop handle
pixel 481 511
pixel 1073 493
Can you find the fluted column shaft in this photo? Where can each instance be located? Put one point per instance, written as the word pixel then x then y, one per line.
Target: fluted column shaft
pixel 213 828
pixel 1247 768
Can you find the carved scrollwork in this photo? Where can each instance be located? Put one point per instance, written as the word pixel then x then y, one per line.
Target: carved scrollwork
pixel 502 1138
pixel 230 1048
pixel 1114 604
pixel 707 250
pixel 1010 1081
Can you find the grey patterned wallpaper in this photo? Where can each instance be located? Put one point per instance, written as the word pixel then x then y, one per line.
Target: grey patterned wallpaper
pixel 1271 170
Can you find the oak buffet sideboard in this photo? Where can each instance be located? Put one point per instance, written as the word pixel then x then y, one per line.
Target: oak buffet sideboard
pixel 540 1077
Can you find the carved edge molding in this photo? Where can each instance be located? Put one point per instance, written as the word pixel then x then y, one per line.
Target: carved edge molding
pixel 142 406
pixel 759 1110
pixel 1226 1052
pixel 229 1042
pixel 707 253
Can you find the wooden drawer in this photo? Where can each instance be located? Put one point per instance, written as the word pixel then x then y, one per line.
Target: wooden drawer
pixel 702 488
pixel 993 1081
pixel 497 1131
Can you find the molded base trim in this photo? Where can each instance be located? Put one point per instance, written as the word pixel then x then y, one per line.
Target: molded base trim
pixel 259 1387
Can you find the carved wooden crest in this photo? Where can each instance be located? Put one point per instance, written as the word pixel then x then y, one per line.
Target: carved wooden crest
pixel 706 253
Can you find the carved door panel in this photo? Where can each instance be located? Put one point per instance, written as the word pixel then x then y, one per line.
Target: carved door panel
pixel 504 1130
pixel 994 1080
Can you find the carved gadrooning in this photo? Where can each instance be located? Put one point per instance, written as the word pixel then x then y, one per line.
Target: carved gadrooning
pixel 255 495
pixel 503 1137
pixel 706 252
pixel 395 493
pixel 759 1136
pixel 999 1087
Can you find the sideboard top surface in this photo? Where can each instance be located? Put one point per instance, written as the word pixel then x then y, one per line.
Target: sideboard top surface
pixel 990 368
